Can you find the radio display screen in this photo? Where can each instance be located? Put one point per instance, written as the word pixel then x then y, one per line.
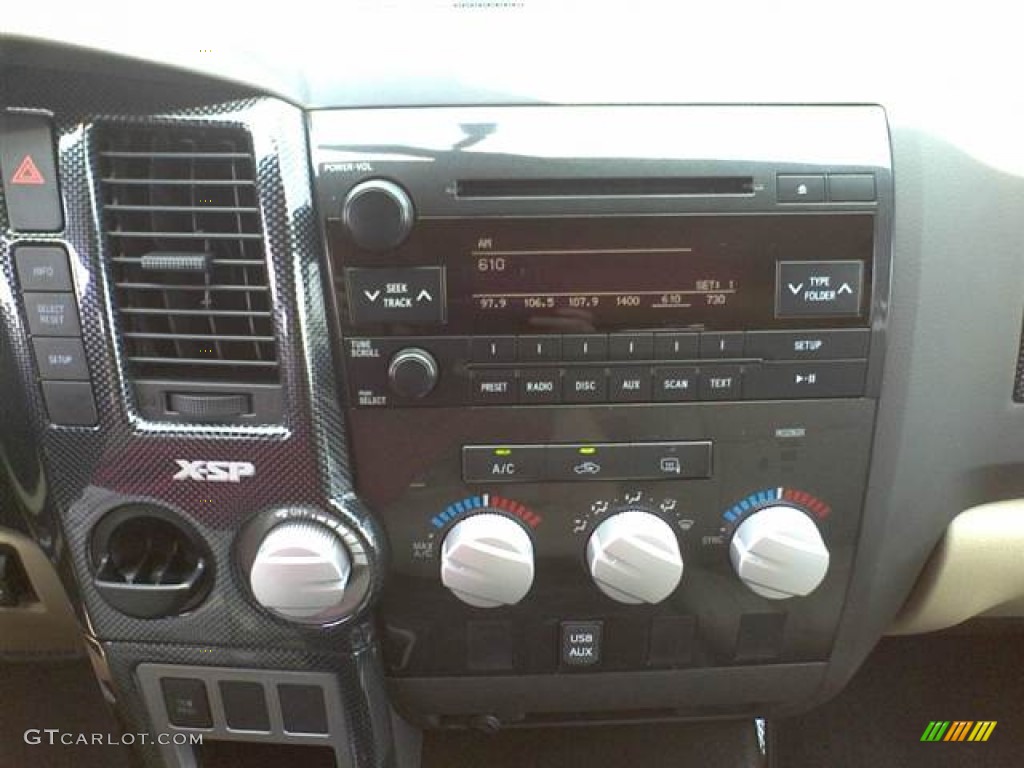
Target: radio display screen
pixel 592 288
pixel 600 274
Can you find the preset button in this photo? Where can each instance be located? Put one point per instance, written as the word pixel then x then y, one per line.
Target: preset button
pixel 494 387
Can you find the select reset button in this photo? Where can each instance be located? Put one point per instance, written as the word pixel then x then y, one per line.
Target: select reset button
pixel 581 643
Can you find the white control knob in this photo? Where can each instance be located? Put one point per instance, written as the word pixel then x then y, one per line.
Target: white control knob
pixel 487 561
pixel 634 558
pixel 778 553
pixel 300 571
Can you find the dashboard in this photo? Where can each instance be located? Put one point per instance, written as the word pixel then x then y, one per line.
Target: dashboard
pixel 350 402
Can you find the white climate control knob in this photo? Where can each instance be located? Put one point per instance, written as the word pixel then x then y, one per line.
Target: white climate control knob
pixel 487 561
pixel 779 553
pixel 300 571
pixel 634 558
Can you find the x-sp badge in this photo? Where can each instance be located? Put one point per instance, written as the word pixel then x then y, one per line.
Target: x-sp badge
pixel 214 471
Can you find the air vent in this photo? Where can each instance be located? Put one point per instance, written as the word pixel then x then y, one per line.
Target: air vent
pixel 187 262
pixel 147 563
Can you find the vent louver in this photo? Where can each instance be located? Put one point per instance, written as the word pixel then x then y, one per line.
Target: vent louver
pixel 186 253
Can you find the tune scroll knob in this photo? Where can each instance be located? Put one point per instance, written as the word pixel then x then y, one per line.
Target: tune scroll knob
pixel 300 571
pixel 779 553
pixel 378 215
pixel 634 558
pixel 487 561
pixel 413 373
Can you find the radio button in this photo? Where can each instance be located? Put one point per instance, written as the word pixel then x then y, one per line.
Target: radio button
pixel 676 346
pixel 540 349
pixel 631 346
pixel 784 381
pixel 675 384
pixel 503 464
pixel 818 288
pixel 585 385
pixel 721 382
pixel 581 349
pixel 808 188
pixel 493 349
pixel 494 387
pixel 808 345
pixel 629 385
pixel 716 345
pixel 540 385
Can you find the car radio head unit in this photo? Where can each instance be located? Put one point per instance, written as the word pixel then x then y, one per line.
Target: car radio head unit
pixel 611 378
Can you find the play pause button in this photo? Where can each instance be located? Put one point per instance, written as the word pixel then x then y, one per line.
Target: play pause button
pixel 784 381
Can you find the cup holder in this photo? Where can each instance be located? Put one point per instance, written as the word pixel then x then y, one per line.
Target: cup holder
pixel 148 563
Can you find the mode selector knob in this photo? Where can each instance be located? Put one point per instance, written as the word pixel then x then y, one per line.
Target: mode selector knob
pixel 378 215
pixel 779 553
pixel 300 571
pixel 412 373
pixel 634 557
pixel 487 561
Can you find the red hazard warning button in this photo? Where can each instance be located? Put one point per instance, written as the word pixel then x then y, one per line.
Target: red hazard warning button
pixel 29 173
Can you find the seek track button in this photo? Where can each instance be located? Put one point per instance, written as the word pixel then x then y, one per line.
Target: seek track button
pixel 407 295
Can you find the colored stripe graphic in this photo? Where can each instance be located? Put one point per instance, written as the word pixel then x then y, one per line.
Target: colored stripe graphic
pixel 935 730
pixel 982 730
pixel 958 730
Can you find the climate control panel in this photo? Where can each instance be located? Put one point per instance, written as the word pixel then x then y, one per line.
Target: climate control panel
pixel 503 556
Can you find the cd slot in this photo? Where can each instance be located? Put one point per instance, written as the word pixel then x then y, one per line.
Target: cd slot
pixel 605 187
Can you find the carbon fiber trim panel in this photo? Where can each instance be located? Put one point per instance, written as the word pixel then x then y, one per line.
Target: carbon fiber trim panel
pixel 67 478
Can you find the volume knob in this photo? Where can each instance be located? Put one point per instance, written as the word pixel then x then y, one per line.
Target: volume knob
pixel 378 215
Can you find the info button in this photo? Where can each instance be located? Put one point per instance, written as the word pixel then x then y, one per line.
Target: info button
pixel 502 463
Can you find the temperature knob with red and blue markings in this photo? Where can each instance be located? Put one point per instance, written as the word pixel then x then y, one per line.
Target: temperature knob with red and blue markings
pixel 776 548
pixel 487 555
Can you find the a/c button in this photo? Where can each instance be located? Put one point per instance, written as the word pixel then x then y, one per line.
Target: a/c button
pixel 502 464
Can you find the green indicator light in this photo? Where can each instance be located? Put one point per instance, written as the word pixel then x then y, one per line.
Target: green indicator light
pixel 588 450
pixel 502 451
